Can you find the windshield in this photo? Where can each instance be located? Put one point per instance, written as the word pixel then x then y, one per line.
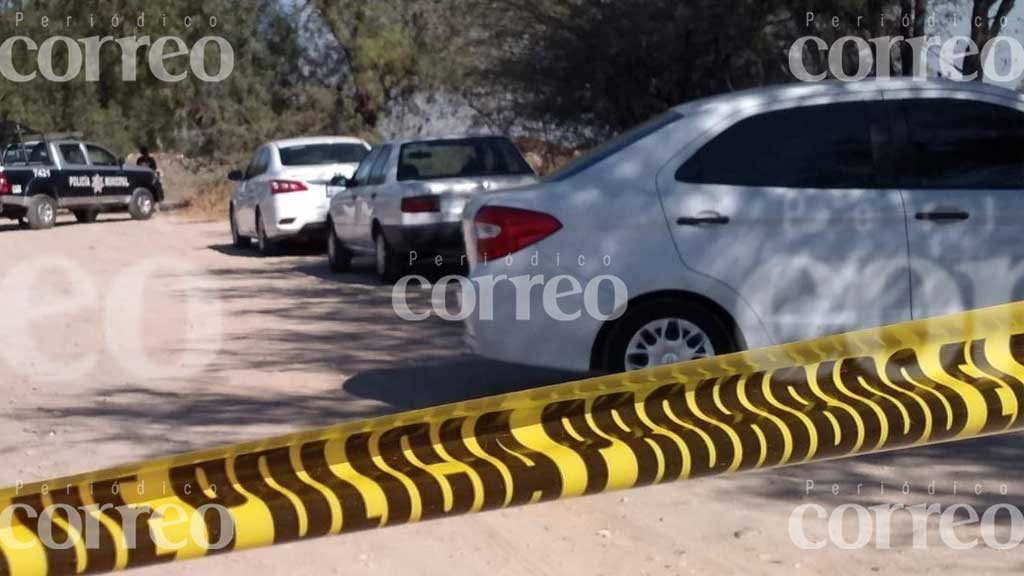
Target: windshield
pixel 615 145
pixel 323 154
pixel 461 158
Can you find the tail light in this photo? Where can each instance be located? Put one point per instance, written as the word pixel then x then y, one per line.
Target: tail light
pixel 420 204
pixel 500 231
pixel 5 186
pixel 286 186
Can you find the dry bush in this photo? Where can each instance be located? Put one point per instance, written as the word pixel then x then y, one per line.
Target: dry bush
pixel 210 201
pixel 545 157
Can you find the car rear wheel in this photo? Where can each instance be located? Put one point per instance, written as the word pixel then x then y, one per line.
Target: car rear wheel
pixel 665 332
pixel 237 240
pixel 389 264
pixel 42 212
pixel 86 216
pixel 264 244
pixel 142 205
pixel 339 258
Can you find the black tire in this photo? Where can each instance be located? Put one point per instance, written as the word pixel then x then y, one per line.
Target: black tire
pixel 264 244
pixel 86 216
pixel 612 359
pixel 237 240
pixel 42 212
pixel 142 205
pixel 338 256
pixel 390 266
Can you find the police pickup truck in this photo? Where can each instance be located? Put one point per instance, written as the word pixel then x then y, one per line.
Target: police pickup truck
pixel 42 175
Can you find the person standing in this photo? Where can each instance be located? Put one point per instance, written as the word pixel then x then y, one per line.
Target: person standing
pixel 145 159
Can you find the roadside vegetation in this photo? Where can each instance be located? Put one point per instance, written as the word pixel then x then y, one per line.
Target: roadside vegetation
pixel 556 74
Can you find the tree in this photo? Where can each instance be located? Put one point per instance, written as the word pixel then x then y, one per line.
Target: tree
pixel 596 68
pixel 913 16
pixel 388 49
pixel 989 26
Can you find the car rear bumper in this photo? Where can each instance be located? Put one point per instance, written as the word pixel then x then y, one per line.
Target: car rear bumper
pixel 10 200
pixel 297 214
pixel 505 326
pixel 441 238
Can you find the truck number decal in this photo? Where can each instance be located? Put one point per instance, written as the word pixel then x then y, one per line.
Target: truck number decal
pixel 41 172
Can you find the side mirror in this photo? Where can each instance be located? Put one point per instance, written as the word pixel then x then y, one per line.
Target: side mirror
pixel 339 181
pixel 122 161
pixel 236 176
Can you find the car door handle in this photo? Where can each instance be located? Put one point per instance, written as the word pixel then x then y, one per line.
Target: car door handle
pixel 943 215
pixel 713 218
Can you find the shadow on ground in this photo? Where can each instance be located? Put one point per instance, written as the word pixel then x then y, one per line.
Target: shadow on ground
pixel 464 379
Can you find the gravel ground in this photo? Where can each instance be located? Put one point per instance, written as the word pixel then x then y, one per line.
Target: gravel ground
pixel 125 340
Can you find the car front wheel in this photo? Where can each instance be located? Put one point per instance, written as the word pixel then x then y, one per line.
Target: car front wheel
pixel 664 332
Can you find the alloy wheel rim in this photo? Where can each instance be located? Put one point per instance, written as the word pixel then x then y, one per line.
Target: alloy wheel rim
pixel 45 212
pixel 667 341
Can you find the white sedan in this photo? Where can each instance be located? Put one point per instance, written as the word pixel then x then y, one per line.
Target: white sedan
pixel 405 203
pixel 753 218
pixel 284 192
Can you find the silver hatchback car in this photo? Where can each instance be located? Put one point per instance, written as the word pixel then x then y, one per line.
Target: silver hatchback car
pixel 405 202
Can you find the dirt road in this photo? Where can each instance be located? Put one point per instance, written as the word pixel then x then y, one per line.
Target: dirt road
pixel 126 340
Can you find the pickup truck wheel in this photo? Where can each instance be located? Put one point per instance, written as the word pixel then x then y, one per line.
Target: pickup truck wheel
pixel 86 216
pixel 266 246
pixel 338 256
pixel 237 240
pixel 42 212
pixel 389 265
pixel 142 205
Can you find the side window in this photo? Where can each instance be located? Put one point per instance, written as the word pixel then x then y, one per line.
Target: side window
pixel 379 166
pixel 72 154
pixel 259 165
pixel 40 155
pixel 964 144
pixel 362 174
pixel 101 156
pixel 825 146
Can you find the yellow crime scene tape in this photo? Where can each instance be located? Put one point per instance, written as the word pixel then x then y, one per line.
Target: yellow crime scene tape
pixel 923 382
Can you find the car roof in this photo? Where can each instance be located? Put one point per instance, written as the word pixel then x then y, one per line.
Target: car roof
pixel 824 89
pixel 310 140
pixel 404 141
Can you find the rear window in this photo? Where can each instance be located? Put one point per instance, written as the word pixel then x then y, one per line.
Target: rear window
pixel 323 154
pixel 30 153
pixel 461 158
